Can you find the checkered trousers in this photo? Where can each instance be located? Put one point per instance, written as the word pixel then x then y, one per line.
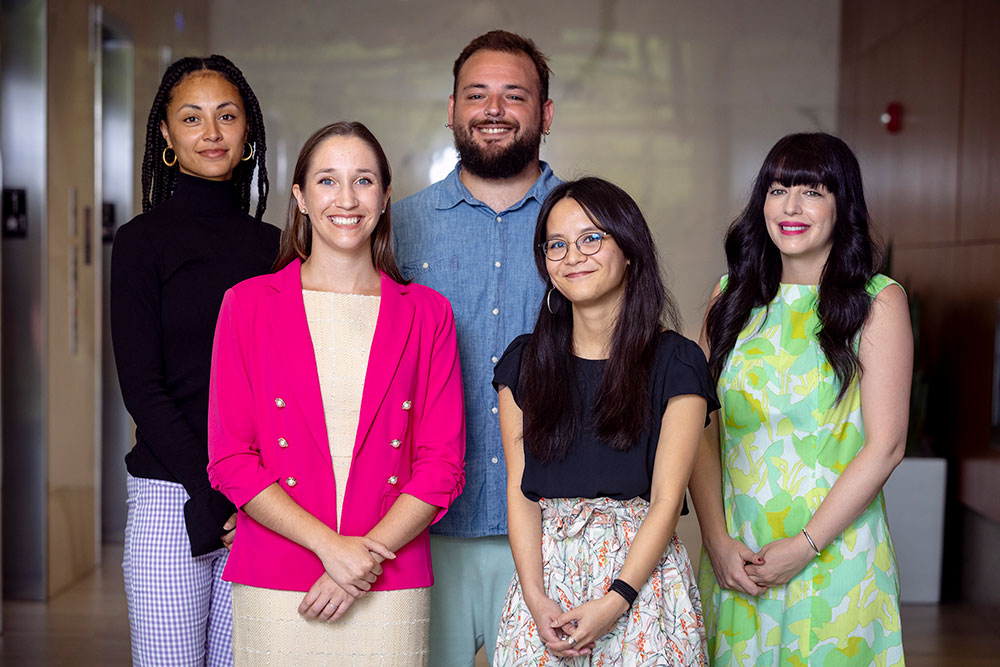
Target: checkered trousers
pixel 179 608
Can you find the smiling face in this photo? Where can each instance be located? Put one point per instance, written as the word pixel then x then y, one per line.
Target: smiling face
pixel 496 114
pixel 800 220
pixel 343 196
pixel 205 125
pixel 585 280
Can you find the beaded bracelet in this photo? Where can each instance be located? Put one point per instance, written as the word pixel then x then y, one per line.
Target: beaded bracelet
pixel 625 590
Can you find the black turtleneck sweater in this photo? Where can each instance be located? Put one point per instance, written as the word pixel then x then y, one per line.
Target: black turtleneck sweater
pixel 169 270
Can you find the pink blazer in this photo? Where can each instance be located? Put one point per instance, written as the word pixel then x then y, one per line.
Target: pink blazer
pixel 266 425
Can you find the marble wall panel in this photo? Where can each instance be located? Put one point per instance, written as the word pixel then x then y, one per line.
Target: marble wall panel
pixel 677 102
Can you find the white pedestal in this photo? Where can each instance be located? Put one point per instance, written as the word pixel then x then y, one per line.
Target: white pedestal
pixel 914 498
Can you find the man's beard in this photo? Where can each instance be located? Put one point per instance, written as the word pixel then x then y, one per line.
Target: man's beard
pixel 495 165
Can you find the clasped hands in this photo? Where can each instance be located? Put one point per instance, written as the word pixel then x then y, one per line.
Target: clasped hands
pixel 351 564
pixel 738 568
pixel 571 633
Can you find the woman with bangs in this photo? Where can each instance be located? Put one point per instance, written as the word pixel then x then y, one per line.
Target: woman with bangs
pixel 812 351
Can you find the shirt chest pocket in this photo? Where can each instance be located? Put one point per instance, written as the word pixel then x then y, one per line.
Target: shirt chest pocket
pixel 438 271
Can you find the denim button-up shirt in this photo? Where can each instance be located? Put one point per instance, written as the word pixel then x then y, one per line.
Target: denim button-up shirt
pixel 483 262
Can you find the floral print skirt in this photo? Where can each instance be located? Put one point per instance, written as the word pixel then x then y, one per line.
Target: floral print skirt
pixel 584 545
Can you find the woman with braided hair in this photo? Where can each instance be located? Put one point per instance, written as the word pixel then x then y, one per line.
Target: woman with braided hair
pixel 170 267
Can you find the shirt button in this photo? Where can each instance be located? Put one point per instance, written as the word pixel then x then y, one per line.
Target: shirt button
pixel 282 443
pixel 425 265
pixel 496 264
pixel 494 409
pixel 291 481
pixel 494 359
pixel 280 402
pixel 407 405
pixel 393 479
pixel 395 443
pixel 496 311
pixel 499 219
pixel 495 460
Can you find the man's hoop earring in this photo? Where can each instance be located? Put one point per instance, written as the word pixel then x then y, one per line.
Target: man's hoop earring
pixel 246 157
pixel 169 163
pixel 548 301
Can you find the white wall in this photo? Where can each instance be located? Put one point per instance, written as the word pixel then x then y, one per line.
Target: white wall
pixel 677 101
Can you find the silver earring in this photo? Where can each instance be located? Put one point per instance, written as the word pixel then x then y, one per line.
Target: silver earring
pixel 302 211
pixel 548 301
pixel 383 211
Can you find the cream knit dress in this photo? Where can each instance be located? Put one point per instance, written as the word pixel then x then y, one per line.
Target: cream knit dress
pixel 384 627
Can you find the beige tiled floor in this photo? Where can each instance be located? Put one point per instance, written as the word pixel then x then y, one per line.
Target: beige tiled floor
pixel 87 626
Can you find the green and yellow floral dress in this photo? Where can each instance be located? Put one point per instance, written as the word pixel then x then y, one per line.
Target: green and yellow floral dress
pixel 785 441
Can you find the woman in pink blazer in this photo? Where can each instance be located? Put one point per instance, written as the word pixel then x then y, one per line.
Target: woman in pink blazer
pixel 336 425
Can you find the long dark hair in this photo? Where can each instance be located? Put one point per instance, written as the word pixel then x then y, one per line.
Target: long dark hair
pixel 755 264
pixel 158 180
pixel 547 382
pixel 296 239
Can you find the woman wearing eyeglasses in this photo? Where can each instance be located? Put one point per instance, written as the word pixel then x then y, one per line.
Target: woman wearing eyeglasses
pixel 601 411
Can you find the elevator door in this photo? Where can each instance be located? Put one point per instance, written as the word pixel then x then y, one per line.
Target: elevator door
pixel 117 157
pixel 23 320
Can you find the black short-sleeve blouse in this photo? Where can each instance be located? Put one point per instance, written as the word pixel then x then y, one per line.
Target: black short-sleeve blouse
pixel 592 469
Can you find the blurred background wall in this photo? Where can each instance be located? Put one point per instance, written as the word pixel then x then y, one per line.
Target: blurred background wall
pixel 675 100
pixel 53 337
pixel 934 187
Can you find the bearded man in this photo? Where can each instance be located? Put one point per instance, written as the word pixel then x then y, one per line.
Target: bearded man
pixel 469 236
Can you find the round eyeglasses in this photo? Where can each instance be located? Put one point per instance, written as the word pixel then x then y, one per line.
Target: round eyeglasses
pixel 588 244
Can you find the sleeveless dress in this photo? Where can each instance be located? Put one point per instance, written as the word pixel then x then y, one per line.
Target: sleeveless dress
pixel 387 628
pixel 785 441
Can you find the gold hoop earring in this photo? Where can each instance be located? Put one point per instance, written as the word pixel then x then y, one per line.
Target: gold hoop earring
pixel 246 157
pixel 169 163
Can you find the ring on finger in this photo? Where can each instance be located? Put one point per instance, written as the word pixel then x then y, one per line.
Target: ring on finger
pixel 571 641
pixel 331 604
